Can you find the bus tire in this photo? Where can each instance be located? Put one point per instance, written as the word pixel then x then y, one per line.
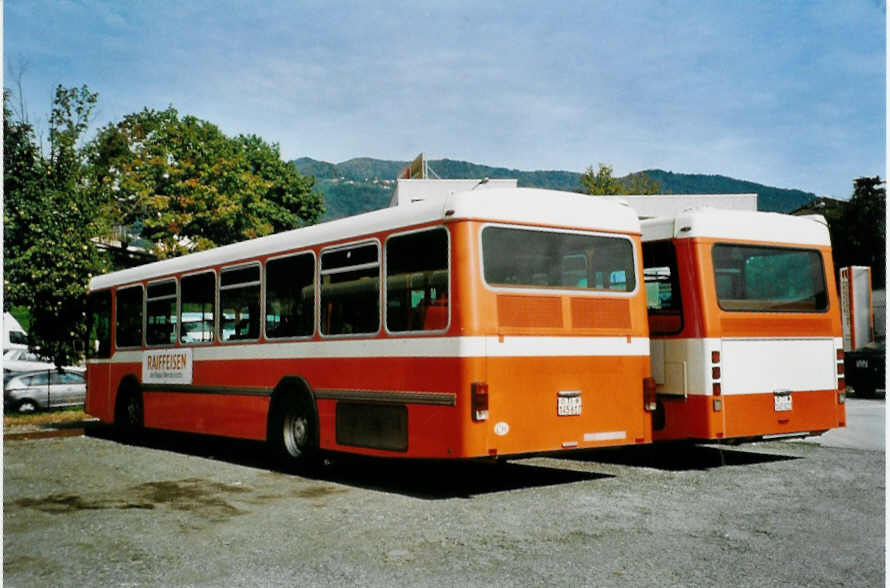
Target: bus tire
pixel 128 413
pixel 293 431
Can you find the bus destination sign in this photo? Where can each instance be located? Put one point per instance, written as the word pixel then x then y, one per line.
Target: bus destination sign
pixel 167 366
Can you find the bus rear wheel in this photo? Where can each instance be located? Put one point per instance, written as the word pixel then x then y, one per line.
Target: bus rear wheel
pixel 295 433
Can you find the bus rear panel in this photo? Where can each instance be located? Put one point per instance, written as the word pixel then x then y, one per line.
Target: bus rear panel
pixel 745 326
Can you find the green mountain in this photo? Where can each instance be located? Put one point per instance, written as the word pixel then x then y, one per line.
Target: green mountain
pixel 364 184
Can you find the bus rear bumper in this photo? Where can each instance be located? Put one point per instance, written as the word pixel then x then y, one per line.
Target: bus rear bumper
pixel 750 416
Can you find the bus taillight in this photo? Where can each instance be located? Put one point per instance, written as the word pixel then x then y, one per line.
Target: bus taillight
pixel 649 401
pixel 841 378
pixel 479 400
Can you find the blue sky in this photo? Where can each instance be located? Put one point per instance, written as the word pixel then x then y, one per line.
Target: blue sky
pixel 789 94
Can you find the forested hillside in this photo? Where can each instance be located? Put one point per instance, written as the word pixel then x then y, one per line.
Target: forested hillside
pixel 364 184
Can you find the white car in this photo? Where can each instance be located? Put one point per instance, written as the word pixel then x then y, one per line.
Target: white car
pixel 22 360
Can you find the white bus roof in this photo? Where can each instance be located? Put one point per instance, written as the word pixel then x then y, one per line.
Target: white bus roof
pixel 514 205
pixel 770 227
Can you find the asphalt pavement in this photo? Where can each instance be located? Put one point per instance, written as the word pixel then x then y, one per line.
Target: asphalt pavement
pixel 184 510
pixel 866 418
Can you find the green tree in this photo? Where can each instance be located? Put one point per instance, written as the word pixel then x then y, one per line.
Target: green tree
pixel 601 182
pixel 48 225
pixel 864 237
pixel 191 187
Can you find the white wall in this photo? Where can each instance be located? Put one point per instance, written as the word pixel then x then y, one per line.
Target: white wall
pixel 659 205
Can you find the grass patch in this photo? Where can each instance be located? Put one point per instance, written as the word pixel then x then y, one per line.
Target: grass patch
pixel 43 418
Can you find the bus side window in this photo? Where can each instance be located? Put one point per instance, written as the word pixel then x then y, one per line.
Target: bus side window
pixel 417 281
pixel 239 303
pixel 198 294
pixel 290 296
pixel 99 325
pixel 662 287
pixel 350 290
pixel 128 317
pixel 160 313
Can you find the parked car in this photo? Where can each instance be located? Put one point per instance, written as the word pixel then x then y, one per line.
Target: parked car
pixel 22 360
pixel 42 390
pixel 865 368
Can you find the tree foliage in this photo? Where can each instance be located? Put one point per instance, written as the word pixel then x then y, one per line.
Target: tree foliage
pixel 48 225
pixel 863 236
pixel 181 180
pixel 191 187
pixel 601 182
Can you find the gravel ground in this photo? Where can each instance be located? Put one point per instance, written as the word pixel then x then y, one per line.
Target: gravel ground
pixel 184 510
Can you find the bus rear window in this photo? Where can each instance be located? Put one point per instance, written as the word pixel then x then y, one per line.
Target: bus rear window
pixel 550 259
pixel 752 278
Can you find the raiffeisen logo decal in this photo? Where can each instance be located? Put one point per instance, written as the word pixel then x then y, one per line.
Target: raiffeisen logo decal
pixel 167 366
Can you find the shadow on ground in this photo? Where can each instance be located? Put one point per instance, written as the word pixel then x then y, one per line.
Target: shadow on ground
pixel 676 457
pixel 417 478
pixel 450 479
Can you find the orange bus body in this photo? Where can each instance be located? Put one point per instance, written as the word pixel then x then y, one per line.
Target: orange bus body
pixel 731 363
pixel 509 351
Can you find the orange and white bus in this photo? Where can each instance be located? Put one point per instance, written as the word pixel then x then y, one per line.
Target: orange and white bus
pixel 490 323
pixel 744 324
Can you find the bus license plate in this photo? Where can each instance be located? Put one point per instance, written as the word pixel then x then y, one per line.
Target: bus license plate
pixel 782 402
pixel 568 405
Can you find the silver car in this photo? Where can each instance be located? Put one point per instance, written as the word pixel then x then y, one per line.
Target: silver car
pixel 42 390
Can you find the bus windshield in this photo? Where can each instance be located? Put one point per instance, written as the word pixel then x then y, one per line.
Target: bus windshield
pixel 769 279
pixel 550 259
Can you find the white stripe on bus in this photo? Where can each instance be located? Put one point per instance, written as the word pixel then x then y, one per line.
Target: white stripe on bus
pixel 450 347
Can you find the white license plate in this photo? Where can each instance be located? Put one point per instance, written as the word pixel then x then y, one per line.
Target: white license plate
pixel 568 405
pixel 782 402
